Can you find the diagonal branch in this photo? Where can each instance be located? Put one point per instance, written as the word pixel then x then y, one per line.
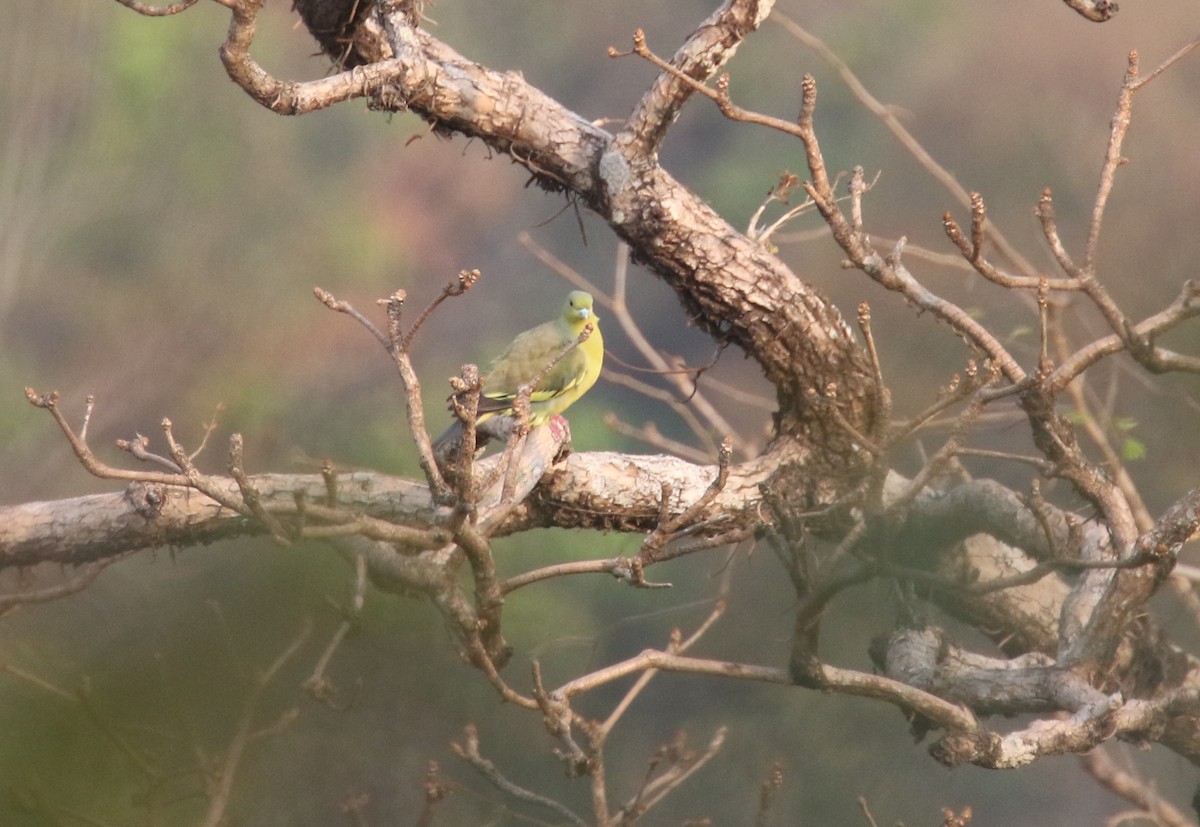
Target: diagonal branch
pixel 733 287
pixel 710 47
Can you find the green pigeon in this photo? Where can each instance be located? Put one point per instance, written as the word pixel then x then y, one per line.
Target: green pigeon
pixel 527 356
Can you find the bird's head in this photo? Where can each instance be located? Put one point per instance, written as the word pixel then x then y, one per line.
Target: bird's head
pixel 578 307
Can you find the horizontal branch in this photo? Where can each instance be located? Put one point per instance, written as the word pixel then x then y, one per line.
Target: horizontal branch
pixel 99 526
pixel 615 491
pixel 833 679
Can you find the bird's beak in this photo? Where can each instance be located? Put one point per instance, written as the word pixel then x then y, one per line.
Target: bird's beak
pixel 584 312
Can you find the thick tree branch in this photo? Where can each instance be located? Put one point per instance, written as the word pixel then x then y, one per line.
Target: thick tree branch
pixel 596 490
pixel 710 47
pixel 732 286
pixel 1065 598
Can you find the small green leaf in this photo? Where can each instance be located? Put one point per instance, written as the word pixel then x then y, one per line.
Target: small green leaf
pixel 1133 449
pixel 1124 423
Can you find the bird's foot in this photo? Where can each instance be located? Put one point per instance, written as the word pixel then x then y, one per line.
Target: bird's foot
pixel 560 429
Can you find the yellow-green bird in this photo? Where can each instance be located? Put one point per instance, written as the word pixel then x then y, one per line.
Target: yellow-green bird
pixel 526 357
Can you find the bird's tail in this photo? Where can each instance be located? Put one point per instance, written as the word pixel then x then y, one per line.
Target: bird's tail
pixel 447 446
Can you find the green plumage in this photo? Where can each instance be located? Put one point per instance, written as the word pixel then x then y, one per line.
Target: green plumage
pixel 528 355
pixel 530 352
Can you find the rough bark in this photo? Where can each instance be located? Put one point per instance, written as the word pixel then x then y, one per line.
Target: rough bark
pixel 1062 599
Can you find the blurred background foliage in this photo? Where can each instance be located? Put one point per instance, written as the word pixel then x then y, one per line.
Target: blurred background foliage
pixel 159 238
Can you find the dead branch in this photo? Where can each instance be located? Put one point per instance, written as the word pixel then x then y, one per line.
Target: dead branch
pixel 1098 11
pixel 244 733
pixel 1139 792
pixel 468 750
pixel 318 684
pixel 834 413
pixel 158 11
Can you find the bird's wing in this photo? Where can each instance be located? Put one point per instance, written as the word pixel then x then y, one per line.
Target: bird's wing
pixel 525 358
pixel 500 389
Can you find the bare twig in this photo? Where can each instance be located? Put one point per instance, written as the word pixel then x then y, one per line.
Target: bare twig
pixel 1045 213
pixel 457 609
pixel 466 280
pixel 677 646
pixel 75 585
pixel 862 805
pixel 709 46
pixel 489 600
pixel 222 786
pixel 652 436
pixel 249 493
pixel 972 250
pixel 393 342
pixel 1098 11
pixel 83 452
pixel 138 449
pixel 436 792
pixel 1101 767
pixel 1090 423
pixel 318 684
pixel 768 792
pixel 886 270
pixel 468 750
pixel 158 11
pixel 1185 306
pixel 1112 160
pixel 883 397
pixel 887 114
pixel 668 527
pixel 656 789
pixel 38 681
